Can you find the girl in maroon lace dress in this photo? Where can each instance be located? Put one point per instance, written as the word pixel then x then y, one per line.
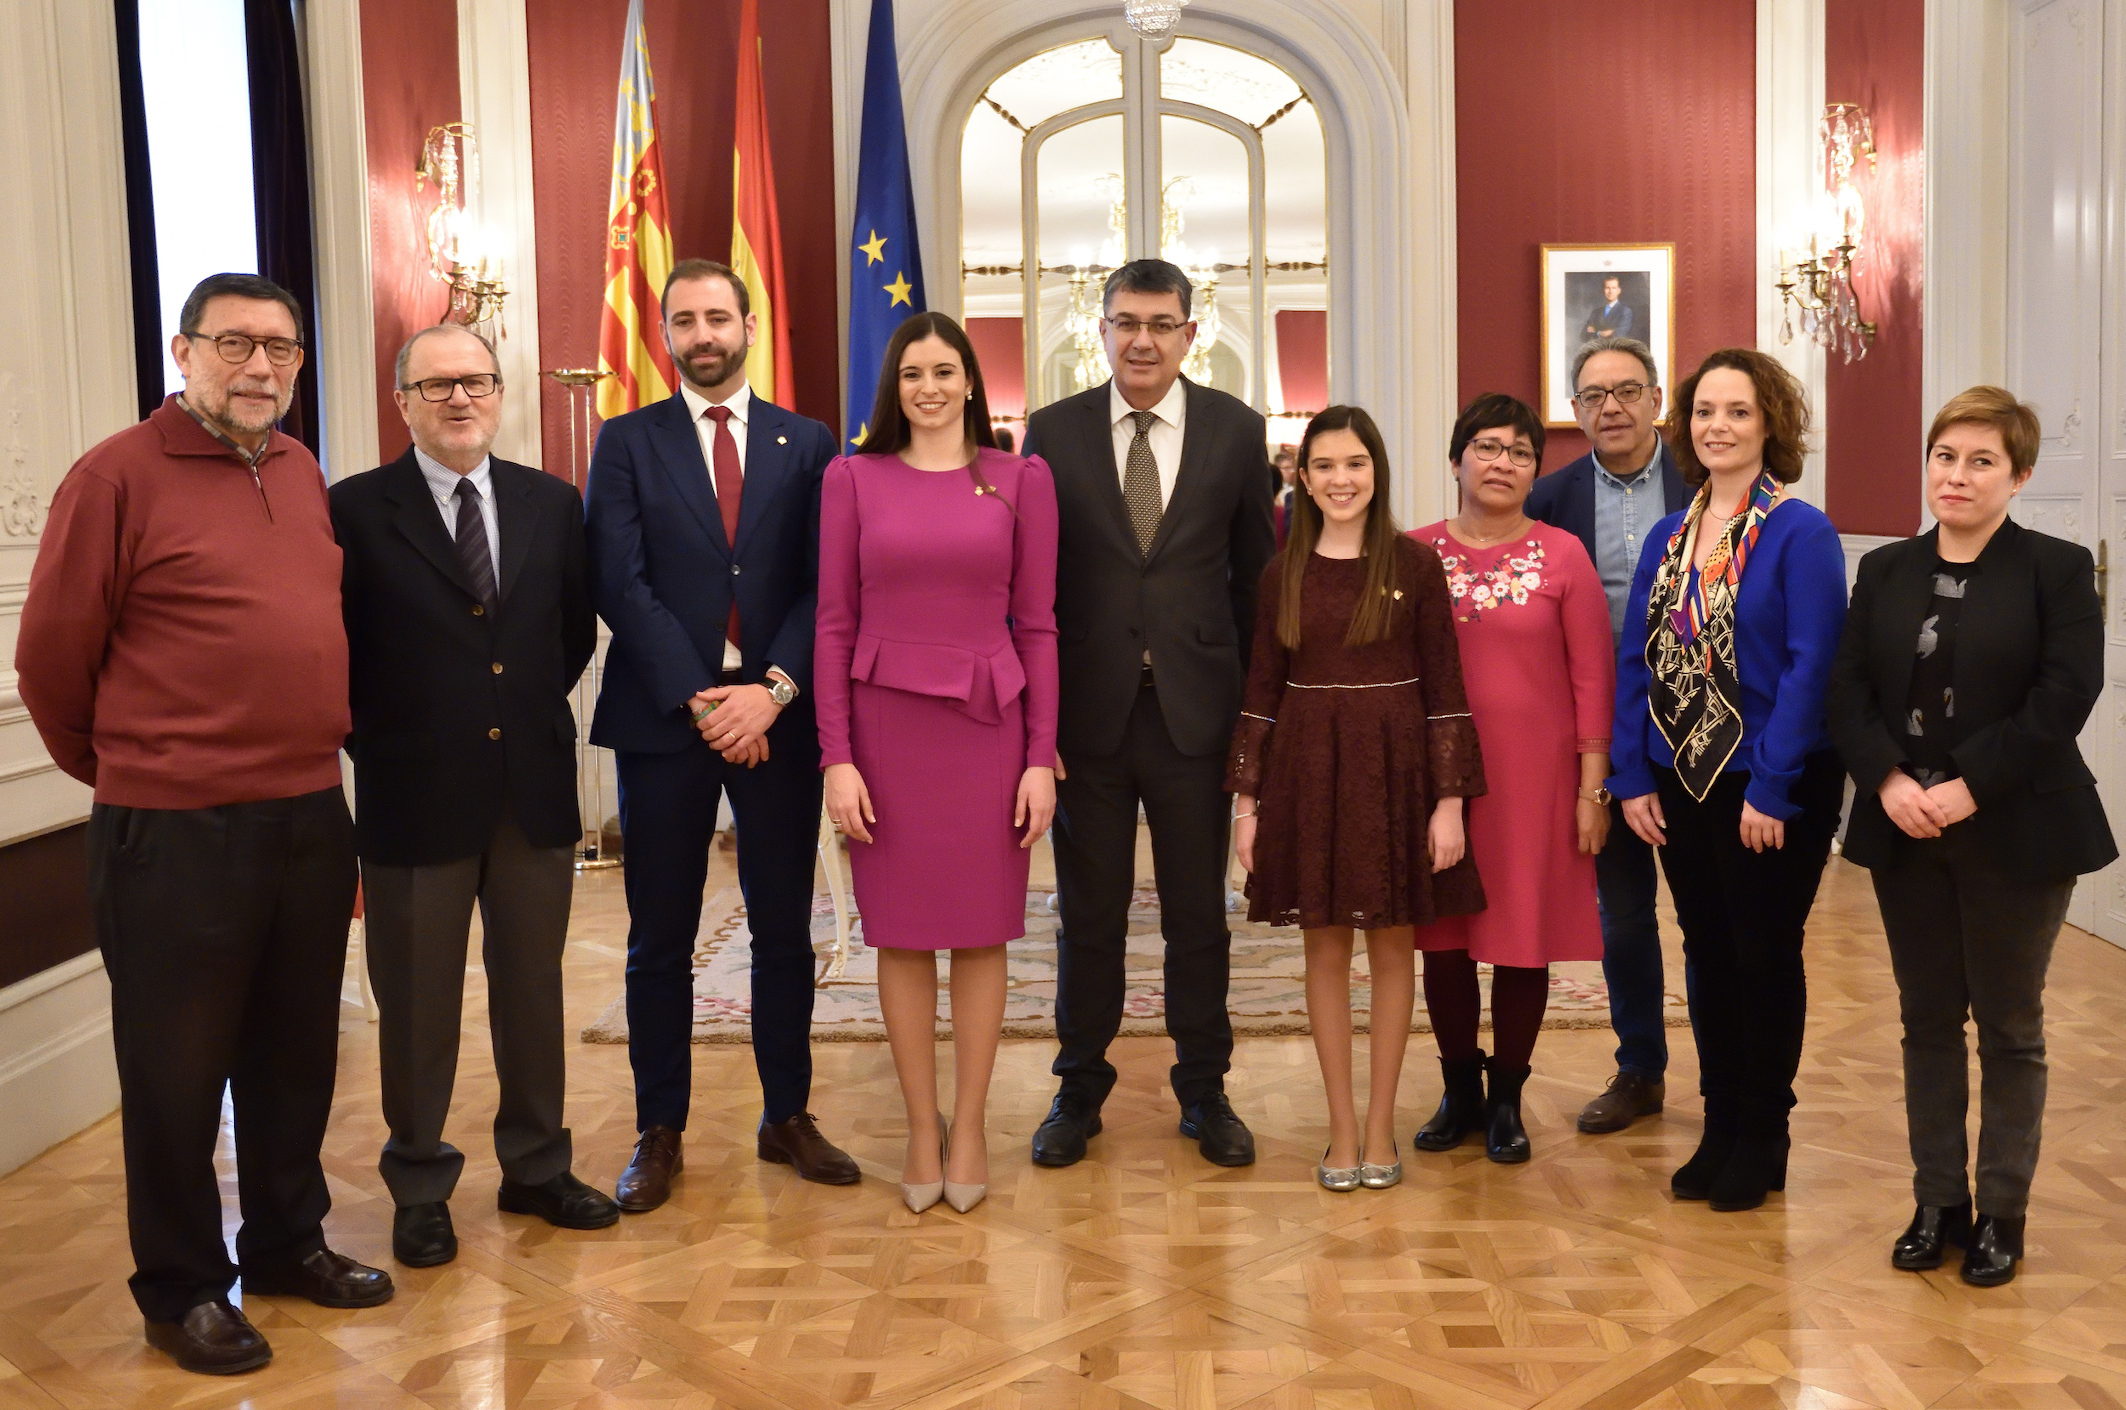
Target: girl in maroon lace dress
pixel 1353 755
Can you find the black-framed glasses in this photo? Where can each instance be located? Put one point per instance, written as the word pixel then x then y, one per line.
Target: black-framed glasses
pixel 1488 449
pixel 1130 327
pixel 1626 393
pixel 236 347
pixel 476 384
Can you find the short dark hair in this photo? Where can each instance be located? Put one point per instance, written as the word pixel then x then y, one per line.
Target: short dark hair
pixel 707 269
pixel 1610 342
pixel 2015 421
pixel 1781 400
pixel 1148 276
pixel 1495 409
pixel 240 286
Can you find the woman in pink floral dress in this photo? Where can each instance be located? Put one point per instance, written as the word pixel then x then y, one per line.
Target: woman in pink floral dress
pixel 1537 662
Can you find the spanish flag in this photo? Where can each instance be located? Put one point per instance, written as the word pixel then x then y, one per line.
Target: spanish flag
pixel 638 244
pixel 756 235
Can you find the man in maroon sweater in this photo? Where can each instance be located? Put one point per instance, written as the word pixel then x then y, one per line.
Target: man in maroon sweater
pixel 182 652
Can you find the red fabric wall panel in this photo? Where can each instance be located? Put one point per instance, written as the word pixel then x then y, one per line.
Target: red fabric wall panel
pixel 409 84
pixel 1635 126
pixel 575 67
pixel 1303 358
pixel 1874 55
pixel 1000 346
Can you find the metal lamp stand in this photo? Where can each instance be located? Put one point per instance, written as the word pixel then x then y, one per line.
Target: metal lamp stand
pixel 590 760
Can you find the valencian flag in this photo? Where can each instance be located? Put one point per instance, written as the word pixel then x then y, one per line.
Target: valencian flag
pixel 886 264
pixel 638 243
pixel 756 235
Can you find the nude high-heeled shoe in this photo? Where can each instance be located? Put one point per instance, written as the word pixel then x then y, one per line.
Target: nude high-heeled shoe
pixel 920 1197
pixel 963 1197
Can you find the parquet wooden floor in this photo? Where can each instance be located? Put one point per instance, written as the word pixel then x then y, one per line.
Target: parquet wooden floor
pixel 1147 1278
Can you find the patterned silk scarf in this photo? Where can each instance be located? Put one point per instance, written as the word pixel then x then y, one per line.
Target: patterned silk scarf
pixel 1690 639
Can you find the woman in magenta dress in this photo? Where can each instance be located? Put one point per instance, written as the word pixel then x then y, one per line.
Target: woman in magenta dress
pixel 935 667
pixel 1531 618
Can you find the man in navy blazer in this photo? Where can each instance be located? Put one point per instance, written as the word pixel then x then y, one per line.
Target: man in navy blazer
pixel 1611 318
pixel 703 520
pixel 1611 498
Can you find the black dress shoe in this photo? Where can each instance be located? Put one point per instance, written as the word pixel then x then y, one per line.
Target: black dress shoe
pixel 1505 1139
pixel 1995 1248
pixel 1755 1167
pixel 564 1202
pixel 1933 1228
pixel 1461 1105
pixel 421 1236
pixel 1072 1120
pixel 1694 1177
pixel 1217 1132
pixel 326 1278
pixel 213 1339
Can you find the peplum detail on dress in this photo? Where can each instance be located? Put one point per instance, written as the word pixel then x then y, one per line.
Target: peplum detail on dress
pixel 982 683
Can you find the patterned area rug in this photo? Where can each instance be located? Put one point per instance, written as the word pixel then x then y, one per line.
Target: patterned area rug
pixel 1267 997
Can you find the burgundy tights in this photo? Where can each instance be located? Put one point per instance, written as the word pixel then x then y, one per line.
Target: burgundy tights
pixel 1518 997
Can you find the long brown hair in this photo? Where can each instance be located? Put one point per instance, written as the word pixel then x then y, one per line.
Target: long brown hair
pixel 1370 620
pixel 887 432
pixel 1781 400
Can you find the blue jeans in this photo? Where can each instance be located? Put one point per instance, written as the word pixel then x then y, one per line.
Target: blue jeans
pixel 1631 949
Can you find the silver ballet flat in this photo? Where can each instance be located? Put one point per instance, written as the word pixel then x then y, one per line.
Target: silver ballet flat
pixel 1340 1180
pixel 920 1197
pixel 963 1197
pixel 1380 1177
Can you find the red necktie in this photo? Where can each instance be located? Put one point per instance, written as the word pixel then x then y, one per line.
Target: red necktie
pixel 730 484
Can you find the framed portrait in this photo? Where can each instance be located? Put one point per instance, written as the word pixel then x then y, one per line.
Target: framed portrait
pixel 1589 291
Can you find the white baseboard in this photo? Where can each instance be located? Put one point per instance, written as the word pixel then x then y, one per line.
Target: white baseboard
pixel 1857 547
pixel 57 1072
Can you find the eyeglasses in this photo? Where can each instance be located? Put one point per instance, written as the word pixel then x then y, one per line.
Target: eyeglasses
pixel 477 384
pixel 1626 393
pixel 236 347
pixel 1130 327
pixel 1488 449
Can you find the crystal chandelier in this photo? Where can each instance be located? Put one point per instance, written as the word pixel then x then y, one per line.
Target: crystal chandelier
pixel 1820 286
pixel 1153 19
pixel 1202 271
pixel 456 241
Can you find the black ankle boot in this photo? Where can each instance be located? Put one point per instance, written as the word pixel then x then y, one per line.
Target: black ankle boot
pixel 1461 1106
pixel 1505 1139
pixel 1995 1248
pixel 1933 1228
pixel 1757 1165
pixel 1694 1178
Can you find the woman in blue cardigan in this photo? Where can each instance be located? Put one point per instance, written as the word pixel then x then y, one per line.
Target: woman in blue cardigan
pixel 1722 754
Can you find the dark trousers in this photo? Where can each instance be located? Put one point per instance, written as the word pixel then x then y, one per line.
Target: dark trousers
pixel 1743 915
pixel 1966 939
pixel 419 921
pixel 224 931
pixel 668 805
pixel 1186 805
pixel 1625 887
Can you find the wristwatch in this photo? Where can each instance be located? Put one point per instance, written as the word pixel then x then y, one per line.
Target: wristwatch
pixel 1597 795
pixel 780 690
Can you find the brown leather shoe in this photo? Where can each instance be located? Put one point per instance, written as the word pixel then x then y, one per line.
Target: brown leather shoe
pixel 647 1181
pixel 798 1142
pixel 325 1278
pixel 213 1339
pixel 1628 1098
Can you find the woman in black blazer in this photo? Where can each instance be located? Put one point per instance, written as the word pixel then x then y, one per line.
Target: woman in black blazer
pixel 1972 656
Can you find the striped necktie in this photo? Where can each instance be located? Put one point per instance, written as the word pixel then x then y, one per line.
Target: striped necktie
pixel 472 543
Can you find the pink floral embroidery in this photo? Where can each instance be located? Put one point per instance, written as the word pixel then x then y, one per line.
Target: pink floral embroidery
pixel 1511 578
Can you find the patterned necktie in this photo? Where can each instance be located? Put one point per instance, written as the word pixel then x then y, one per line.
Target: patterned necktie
pixel 730 485
pixel 1140 482
pixel 472 543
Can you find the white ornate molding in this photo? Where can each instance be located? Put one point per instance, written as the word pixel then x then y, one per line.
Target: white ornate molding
pixel 339 195
pixel 1859 546
pixel 21 502
pixel 494 84
pixel 1789 184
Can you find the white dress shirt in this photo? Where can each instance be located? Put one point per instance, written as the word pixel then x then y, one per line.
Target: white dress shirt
pixel 1165 434
pixel 741 404
pixel 443 484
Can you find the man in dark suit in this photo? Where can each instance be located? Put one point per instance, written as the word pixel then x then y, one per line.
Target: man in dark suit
pixel 1163 493
pixel 704 548
pixel 1611 318
pixel 1611 498
pixel 468 621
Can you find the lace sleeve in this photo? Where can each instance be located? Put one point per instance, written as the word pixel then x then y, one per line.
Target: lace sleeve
pixel 1457 760
pixel 1267 665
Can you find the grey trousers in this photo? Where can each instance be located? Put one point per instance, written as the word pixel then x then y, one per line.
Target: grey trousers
pixel 1966 939
pixel 419 921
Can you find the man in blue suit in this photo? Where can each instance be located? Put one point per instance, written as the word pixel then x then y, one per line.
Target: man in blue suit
pixel 703 520
pixel 1612 318
pixel 1611 498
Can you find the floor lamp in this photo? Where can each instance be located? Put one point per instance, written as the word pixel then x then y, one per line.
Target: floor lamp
pixel 576 384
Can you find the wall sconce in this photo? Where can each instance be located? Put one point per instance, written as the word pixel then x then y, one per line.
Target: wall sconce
pixel 458 247
pixel 1820 286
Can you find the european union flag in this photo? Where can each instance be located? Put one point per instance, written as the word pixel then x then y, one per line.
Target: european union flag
pixel 885 262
